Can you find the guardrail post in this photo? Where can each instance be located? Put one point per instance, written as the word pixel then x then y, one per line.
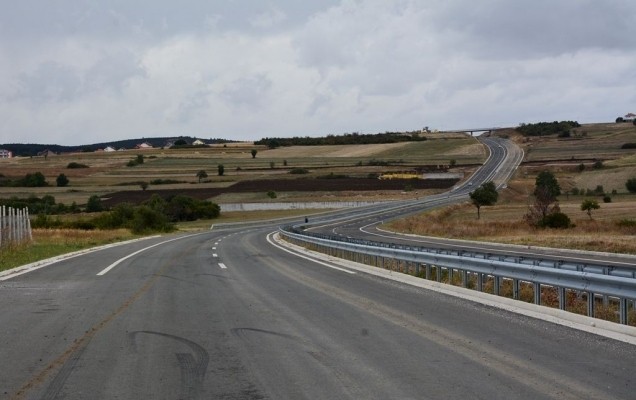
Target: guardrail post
pixel 438 273
pixel 561 291
pixel 480 282
pixel 496 285
pixel 537 293
pixel 417 269
pixel 464 278
pixel 590 304
pixel 428 271
pixel 623 304
pixel 515 289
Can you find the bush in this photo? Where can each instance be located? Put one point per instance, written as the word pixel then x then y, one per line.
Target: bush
pixel 164 181
pixel 146 220
pixel 271 194
pixel 598 164
pixel 631 185
pixel 74 165
pixel 607 199
pixel 629 146
pixel 62 180
pixel 298 171
pixel 94 204
pixel 556 220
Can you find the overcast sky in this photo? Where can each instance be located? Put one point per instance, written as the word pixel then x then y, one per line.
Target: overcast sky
pixel 86 71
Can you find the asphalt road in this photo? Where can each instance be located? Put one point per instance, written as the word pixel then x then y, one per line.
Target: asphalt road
pixel 255 322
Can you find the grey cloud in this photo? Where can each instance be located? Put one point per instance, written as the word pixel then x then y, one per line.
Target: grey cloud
pixel 112 71
pixel 526 29
pixel 250 91
pixel 49 82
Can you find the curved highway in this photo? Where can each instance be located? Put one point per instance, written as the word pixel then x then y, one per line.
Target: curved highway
pixel 228 314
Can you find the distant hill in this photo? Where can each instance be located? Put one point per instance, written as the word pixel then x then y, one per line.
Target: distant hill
pixel 32 149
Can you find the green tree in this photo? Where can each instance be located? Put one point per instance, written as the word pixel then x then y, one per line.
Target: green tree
pixel 221 169
pixel 143 185
pixel 588 205
pixel 545 199
pixel 202 175
pixel 485 195
pixel 94 204
pixel 452 162
pixel 140 159
pixel 631 185
pixel 547 183
pixel 254 152
pixel 62 180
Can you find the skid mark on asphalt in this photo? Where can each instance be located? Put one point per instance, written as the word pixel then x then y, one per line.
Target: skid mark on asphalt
pixel 193 365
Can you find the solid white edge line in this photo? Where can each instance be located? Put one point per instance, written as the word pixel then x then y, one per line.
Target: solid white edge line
pixel 269 239
pixel 116 263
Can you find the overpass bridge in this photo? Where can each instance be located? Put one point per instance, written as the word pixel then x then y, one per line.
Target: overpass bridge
pixel 471 130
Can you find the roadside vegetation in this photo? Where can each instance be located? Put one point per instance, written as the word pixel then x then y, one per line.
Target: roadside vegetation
pixel 49 243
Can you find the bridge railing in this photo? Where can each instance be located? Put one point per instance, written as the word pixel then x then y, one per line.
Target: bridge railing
pixel 590 283
pixel 15 227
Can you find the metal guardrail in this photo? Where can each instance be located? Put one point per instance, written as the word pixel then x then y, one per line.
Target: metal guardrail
pixel 593 280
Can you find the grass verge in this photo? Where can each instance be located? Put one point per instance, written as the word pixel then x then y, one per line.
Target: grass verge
pixel 54 242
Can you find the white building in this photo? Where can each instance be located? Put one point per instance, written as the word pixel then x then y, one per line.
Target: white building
pixel 5 153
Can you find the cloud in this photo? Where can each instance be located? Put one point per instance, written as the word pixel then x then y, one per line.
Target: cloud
pixel 268 19
pixel 99 71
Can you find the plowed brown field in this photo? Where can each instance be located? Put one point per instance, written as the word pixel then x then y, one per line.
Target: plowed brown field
pixel 282 185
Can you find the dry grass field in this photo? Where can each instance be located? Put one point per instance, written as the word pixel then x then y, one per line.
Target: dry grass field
pixel 504 222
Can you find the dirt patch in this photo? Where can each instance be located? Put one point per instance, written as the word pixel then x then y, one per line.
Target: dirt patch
pixel 283 185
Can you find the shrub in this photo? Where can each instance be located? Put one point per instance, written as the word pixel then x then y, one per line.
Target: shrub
pixel 271 194
pixel 598 164
pixel 556 220
pixel 629 146
pixel 146 220
pixel 607 199
pixel 36 179
pixel 164 181
pixel 94 204
pixel 62 180
pixel 298 171
pixel 74 165
pixel 631 185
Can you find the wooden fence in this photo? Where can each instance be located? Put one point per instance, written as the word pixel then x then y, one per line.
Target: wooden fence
pixel 15 227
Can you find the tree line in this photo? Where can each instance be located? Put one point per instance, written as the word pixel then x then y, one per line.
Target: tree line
pixel 559 128
pixel 347 138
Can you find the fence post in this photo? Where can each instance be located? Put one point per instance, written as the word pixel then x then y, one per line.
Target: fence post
pixel 15 226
